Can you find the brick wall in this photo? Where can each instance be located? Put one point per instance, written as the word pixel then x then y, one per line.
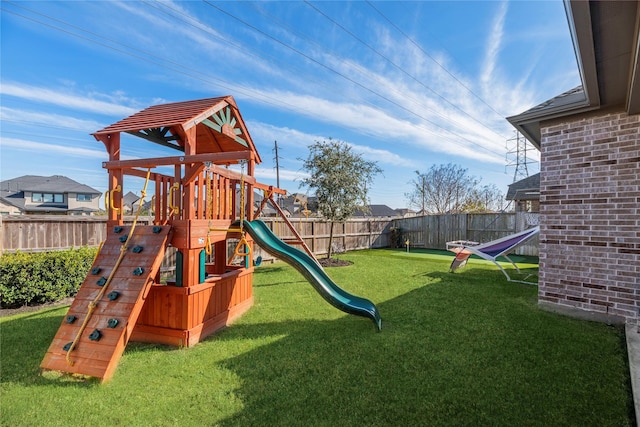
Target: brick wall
pixel 590 216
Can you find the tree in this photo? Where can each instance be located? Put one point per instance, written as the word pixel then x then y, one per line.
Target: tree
pixel 487 198
pixel 450 189
pixel 339 178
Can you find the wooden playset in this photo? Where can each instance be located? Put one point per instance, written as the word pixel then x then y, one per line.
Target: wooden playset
pixel 201 208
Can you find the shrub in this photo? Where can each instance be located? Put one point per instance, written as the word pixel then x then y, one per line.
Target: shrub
pixel 397 239
pixel 41 277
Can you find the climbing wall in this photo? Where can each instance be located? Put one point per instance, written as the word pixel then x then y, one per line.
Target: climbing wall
pixel 101 336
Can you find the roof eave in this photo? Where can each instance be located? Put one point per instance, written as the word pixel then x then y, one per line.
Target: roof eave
pixel 580 27
pixel 528 123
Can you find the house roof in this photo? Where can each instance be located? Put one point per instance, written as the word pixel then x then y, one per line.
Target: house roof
pixel 606 41
pixel 130 198
pixel 45 184
pixel 377 211
pixel 218 123
pixel 525 189
pixel 12 190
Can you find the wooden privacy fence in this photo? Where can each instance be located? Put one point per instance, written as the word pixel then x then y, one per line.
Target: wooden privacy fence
pixel 434 231
pixel 48 232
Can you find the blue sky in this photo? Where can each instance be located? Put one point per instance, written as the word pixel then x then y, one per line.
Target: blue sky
pixel 407 84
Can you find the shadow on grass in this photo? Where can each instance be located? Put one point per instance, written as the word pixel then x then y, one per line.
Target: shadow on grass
pixel 437 361
pixel 26 338
pixel 24 341
pixel 466 349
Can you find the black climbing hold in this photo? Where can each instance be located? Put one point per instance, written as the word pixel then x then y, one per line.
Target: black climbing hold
pixel 138 271
pixel 96 270
pixel 122 239
pixel 117 229
pixel 95 335
pixel 67 346
pixel 70 318
pixel 156 229
pixel 137 249
pixel 112 323
pixel 101 281
pixel 113 295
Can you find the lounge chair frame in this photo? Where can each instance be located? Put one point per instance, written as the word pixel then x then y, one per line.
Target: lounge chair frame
pixel 491 251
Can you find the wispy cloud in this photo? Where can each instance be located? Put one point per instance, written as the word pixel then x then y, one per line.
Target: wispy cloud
pixel 285 174
pixel 494 44
pixel 30 118
pixel 64 98
pixel 377 123
pixel 42 148
pixel 295 137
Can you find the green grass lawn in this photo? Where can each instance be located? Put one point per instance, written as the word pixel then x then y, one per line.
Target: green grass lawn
pixel 455 349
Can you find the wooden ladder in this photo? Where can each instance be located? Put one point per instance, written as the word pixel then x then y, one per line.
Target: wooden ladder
pixel 108 328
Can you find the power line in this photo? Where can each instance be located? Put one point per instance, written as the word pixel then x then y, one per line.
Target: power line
pixel 196 74
pixel 398 67
pixel 432 58
pixel 315 61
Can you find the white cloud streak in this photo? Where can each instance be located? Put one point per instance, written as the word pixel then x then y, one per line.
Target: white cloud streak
pixel 63 98
pixel 494 44
pixel 30 117
pixel 42 148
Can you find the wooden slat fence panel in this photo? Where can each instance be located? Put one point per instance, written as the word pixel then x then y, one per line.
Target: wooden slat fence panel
pixel 434 231
pixel 44 233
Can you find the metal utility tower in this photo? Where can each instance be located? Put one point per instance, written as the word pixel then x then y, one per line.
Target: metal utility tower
pixel 517 148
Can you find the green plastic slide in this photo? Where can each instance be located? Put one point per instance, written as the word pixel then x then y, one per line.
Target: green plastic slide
pixel 309 268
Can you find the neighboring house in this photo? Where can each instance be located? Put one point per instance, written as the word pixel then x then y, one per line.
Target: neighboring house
pixel 299 205
pixel 377 211
pixel 130 201
pixel 525 194
pixel 57 195
pixel 589 140
pixel 406 213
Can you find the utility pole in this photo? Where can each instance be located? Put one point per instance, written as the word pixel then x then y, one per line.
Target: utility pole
pixel 277 160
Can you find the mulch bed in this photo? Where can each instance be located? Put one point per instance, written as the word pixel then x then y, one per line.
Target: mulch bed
pixel 31 308
pixel 332 262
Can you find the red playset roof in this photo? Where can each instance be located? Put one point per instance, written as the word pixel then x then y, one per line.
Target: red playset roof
pixel 219 126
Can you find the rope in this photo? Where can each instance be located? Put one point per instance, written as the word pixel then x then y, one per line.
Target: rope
pixel 243 239
pixel 207 247
pixel 123 249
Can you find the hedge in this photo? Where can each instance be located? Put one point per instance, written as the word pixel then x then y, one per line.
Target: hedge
pixel 41 277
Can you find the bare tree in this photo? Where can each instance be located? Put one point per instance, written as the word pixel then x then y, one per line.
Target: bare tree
pixel 487 198
pixel 339 178
pixel 448 188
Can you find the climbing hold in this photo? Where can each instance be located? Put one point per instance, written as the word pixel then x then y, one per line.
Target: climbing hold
pixel 112 323
pixel 70 318
pixel 113 295
pixel 67 346
pixel 138 271
pixel 258 261
pixel 101 281
pixel 96 270
pixel 95 335
pixel 137 249
pixel 117 229
pixel 122 239
pixel 156 229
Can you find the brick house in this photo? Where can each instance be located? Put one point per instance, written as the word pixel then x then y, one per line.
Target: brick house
pixel 589 141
